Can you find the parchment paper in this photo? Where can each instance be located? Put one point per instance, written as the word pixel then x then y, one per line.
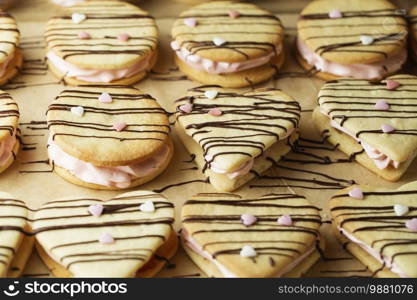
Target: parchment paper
pixel 307 172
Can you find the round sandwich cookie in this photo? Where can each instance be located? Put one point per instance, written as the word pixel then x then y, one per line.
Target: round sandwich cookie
pixel 9 131
pixel 211 47
pixel 358 39
pixel 368 121
pixel 413 32
pixel 102 42
pixel 275 235
pixel 11 58
pixel 130 235
pixel 108 137
pixel 236 135
pixel 15 241
pixel 379 226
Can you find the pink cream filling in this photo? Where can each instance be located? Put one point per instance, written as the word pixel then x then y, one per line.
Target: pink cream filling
pixel 385 260
pixel 194 246
pixel 6 148
pixel 381 160
pixel 67 2
pixel 120 177
pixel 358 71
pixel 241 170
pixel 92 75
pixel 219 67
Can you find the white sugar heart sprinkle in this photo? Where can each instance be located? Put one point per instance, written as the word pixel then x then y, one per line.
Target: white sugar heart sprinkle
pixel 248 251
pixel 219 41
pixel 96 210
pixel 392 84
pixel 119 126
pixel 356 193
pixel 285 220
pixel 366 39
pixel 186 108
pixel 234 14
pixel 400 209
pixel 381 105
pixel 215 112
pixel 105 98
pixel 248 219
pixel 84 35
pixel 412 224
pixel 211 94
pixel 387 128
pixel 147 206
pixel 106 238
pixel 77 110
pixel 335 14
pixel 123 37
pixel 190 22
pixel 77 18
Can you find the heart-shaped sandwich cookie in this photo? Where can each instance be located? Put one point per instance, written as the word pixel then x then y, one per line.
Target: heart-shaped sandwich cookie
pixel 236 135
pixel 227 235
pixel 116 238
pixel 15 242
pixel 380 226
pixel 108 137
pixel 376 122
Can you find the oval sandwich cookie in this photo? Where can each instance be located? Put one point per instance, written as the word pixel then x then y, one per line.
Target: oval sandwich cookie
pixel 15 241
pixel 108 137
pixel 355 38
pixel 211 47
pixel 130 235
pixel 9 131
pixel 379 227
pixel 102 42
pixel 369 120
pixel 236 135
pixel 11 58
pixel 276 235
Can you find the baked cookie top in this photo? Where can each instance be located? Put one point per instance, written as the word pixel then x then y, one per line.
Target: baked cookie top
pixel 13 218
pixel 242 31
pixel 107 126
pixel 366 109
pixel 9 115
pixel 9 38
pixel 378 221
pixel 234 127
pixel 112 238
pixel 339 38
pixel 116 35
pixel 217 222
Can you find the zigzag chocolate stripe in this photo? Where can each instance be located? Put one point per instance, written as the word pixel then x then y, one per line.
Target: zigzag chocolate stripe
pixel 220 223
pixel 259 27
pixel 359 23
pixel 379 221
pixel 72 216
pixel 104 21
pixel 252 115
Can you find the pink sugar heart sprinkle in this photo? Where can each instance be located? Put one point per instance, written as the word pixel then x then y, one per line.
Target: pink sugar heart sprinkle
pixel 105 98
pixel 190 22
pixel 285 220
pixel 215 112
pixel 123 37
pixel 106 238
pixel 392 84
pixel 84 35
pixel 356 193
pixel 119 126
pixel 412 224
pixel 335 14
pixel 186 108
pixel 234 14
pixel 381 105
pixel 96 210
pixel 387 128
pixel 248 219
